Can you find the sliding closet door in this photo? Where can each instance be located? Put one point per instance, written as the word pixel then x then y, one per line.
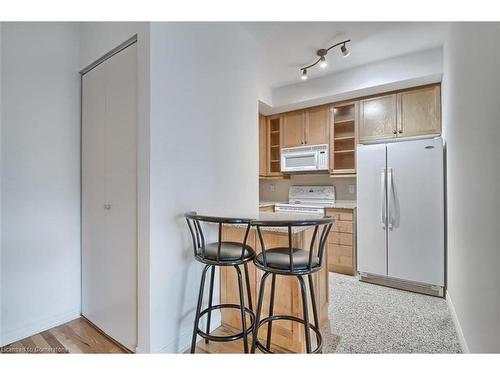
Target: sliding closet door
pixel 109 196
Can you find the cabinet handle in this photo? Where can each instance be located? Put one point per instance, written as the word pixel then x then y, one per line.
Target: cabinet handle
pixel 400 131
pixel 394 132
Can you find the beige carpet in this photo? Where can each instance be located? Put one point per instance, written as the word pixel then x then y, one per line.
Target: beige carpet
pixel 367 318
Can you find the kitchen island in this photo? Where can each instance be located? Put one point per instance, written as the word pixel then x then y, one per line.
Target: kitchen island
pixel 286 334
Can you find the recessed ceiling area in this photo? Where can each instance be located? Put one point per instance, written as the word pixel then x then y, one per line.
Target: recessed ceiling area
pixel 288 46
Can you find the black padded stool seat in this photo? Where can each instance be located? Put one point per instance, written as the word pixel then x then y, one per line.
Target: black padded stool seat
pixel 279 258
pixel 229 251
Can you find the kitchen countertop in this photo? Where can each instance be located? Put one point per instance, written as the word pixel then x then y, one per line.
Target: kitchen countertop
pixel 267 203
pixel 345 204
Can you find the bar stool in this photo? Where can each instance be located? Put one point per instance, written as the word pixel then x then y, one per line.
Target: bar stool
pixel 222 254
pixel 290 261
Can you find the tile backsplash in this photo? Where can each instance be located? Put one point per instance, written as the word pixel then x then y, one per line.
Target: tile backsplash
pixel 277 190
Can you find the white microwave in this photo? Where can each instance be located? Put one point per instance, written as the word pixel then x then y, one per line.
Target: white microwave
pixel 305 158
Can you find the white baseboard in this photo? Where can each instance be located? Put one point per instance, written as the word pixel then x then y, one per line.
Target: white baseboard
pixel 172 347
pixel 184 340
pixel 32 328
pixel 458 327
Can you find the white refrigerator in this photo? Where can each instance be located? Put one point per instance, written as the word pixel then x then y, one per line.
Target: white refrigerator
pixel 400 214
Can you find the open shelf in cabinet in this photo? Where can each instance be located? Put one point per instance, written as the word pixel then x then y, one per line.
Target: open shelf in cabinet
pixel 344 139
pixel 274 146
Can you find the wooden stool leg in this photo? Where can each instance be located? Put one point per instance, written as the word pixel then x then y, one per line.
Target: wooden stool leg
pixel 198 308
pixel 259 310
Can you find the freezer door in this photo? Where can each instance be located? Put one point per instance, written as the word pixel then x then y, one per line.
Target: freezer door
pixel 416 211
pixel 372 209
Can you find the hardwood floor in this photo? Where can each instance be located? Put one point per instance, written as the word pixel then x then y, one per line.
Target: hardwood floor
pixel 77 336
pixel 228 347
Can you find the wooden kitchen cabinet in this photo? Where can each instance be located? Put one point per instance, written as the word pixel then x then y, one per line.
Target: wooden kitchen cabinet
pixel 307 127
pixel 344 120
pixel 288 300
pixel 262 146
pixel 317 125
pixel 377 118
pixel 273 145
pixel 293 129
pixel 407 113
pixel 341 241
pixel 419 111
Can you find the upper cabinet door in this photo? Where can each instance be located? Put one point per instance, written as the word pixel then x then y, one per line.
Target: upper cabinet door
pixel 293 129
pixel 377 118
pixel 419 111
pixel 317 126
pixel 262 146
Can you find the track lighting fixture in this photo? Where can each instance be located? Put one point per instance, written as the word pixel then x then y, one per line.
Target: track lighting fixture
pixel 344 50
pixel 322 62
pixel 322 57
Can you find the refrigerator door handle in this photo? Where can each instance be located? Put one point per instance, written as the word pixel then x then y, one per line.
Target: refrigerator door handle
pixel 390 221
pixel 383 188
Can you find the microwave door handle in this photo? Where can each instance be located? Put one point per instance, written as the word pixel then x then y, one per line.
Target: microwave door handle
pixel 383 200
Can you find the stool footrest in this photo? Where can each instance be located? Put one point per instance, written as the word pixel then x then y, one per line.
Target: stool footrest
pixel 262 348
pixel 234 337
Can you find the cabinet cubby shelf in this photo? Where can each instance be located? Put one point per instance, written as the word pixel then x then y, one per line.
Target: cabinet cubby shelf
pixel 343 151
pixel 343 121
pixel 343 138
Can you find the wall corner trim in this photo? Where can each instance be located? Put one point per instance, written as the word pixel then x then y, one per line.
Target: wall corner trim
pixel 458 327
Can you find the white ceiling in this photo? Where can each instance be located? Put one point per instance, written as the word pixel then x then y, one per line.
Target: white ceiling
pixel 290 45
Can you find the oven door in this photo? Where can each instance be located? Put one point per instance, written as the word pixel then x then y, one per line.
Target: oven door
pixel 299 161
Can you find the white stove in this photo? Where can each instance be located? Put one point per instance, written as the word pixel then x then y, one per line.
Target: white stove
pixel 308 199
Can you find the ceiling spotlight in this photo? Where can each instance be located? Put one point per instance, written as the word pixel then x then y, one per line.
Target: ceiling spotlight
pixel 321 53
pixel 322 62
pixel 344 50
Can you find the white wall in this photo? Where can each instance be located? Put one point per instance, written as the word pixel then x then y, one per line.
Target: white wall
pixel 471 124
pixel 396 73
pixel 204 155
pixel 40 177
pixel 96 39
